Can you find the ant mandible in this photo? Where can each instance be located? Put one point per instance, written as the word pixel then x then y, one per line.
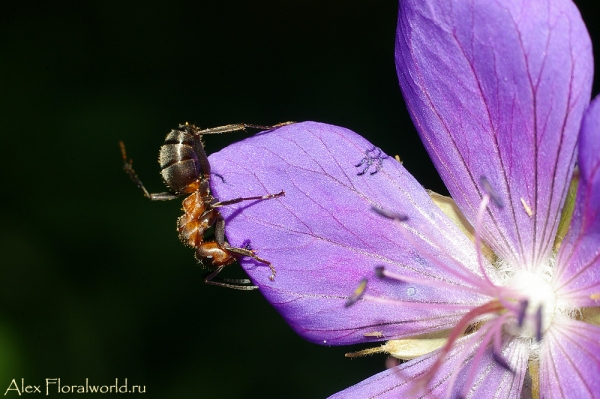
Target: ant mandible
pixel 185 170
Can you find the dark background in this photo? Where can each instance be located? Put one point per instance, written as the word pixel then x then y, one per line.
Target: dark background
pixel 94 281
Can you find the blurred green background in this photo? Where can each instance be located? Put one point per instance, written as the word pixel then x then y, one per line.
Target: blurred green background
pixel 94 281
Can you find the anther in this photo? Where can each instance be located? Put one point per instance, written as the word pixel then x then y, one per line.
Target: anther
pixel 380 271
pixel 390 215
pixel 365 352
pixel 357 294
pixel 522 309
pixel 489 190
pixel 527 208
pixel 374 334
pixel 595 297
pixel 538 324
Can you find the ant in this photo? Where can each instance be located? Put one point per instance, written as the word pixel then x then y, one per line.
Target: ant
pixel 186 172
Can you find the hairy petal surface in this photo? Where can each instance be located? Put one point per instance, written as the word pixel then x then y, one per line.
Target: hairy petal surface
pixel 497 89
pixel 570 361
pixel 578 267
pixel 323 236
pixel 490 381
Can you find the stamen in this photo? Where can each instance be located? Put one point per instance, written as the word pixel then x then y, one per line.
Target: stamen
pixel 473 340
pixel 474 366
pixel 493 331
pixel 538 324
pixel 489 190
pixel 382 272
pixel 595 297
pixel 521 315
pixel 413 304
pixel 527 208
pixel 366 352
pixel 390 215
pixel 357 294
pixel 453 268
pixel 497 349
pixel 461 326
pixel 478 226
pixel 374 334
pixel 509 303
pixel 398 218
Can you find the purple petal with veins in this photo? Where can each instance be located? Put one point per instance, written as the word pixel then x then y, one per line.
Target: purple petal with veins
pixel 570 361
pixel 323 237
pixel 497 89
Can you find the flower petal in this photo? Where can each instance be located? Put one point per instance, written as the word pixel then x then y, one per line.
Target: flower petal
pixel 577 276
pixel 497 90
pixel 570 361
pixel 491 380
pixel 324 237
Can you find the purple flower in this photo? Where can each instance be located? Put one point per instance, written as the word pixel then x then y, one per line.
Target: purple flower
pixel 483 293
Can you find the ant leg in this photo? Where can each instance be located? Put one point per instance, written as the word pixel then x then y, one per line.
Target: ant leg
pixel 199 147
pixel 208 279
pixel 235 127
pixel 236 200
pixel 250 253
pixel 220 239
pixel 128 168
pixel 220 230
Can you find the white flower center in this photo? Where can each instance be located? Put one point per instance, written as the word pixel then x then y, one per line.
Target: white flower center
pixel 540 307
